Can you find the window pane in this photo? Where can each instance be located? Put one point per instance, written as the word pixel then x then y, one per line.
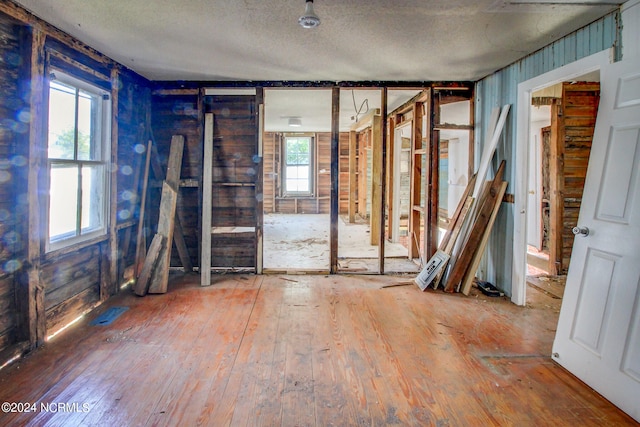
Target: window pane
pixel 63 205
pixel 92 198
pixel 62 108
pixel 297 180
pixel 85 109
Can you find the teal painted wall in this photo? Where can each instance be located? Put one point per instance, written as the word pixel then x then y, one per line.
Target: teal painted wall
pixel 501 88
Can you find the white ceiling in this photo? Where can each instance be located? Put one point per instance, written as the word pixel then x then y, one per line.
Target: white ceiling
pixel 358 40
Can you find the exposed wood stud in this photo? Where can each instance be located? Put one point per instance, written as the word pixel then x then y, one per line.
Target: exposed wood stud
pixel 207 169
pixel 34 301
pixel 383 177
pixel 335 174
pixel 353 171
pixel 110 286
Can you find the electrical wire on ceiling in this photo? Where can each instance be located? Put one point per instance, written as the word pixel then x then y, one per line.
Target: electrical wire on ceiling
pixel 355 107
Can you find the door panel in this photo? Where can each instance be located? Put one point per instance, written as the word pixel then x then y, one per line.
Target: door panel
pixel 598 337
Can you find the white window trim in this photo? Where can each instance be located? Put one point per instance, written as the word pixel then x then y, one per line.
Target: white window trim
pixel 312 167
pixel 105 133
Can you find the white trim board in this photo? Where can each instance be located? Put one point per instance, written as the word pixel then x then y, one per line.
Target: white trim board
pixel 525 89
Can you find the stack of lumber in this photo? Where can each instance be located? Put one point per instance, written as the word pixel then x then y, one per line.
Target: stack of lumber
pixel 455 263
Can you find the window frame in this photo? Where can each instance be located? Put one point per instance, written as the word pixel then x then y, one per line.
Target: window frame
pixel 284 165
pixel 101 137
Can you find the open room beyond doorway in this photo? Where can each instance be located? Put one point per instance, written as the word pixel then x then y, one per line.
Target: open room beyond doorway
pixel 549 211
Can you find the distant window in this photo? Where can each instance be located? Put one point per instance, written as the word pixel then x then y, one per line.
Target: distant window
pixel 298 165
pixel 78 158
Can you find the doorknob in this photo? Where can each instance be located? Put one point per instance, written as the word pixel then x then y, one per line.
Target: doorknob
pixel 581 231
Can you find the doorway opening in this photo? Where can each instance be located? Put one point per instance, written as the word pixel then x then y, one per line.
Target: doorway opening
pixel 296 180
pixel 562 122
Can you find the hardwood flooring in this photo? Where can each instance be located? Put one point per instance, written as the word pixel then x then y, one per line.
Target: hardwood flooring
pixel 306 351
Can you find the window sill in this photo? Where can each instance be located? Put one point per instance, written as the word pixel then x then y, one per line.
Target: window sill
pixel 75 247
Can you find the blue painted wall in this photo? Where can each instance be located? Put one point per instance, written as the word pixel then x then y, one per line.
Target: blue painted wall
pixel 501 88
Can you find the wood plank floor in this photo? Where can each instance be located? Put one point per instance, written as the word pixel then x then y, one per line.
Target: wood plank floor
pixel 306 351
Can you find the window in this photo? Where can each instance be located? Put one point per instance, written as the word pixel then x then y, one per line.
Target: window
pixel 298 165
pixel 78 156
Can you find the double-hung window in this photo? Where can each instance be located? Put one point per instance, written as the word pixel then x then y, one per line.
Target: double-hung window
pixel 78 158
pixel 298 165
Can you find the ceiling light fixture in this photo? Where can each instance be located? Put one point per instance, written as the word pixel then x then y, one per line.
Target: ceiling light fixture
pixel 295 122
pixel 309 19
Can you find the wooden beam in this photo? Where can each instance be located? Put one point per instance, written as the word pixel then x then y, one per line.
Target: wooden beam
pixel 475 235
pixel 34 323
pixel 389 187
pixel 415 182
pixel 110 285
pixel 383 177
pixel 456 221
pixel 556 188
pixel 432 192
pixel 166 222
pixel 335 174
pixel 207 171
pixel 376 216
pixel 353 174
pixel 259 187
pixel 178 235
pixel 467 281
pixel 160 274
pixel 140 247
pixel 151 261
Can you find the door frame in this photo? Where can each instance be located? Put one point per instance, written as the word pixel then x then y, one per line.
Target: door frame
pixel 525 89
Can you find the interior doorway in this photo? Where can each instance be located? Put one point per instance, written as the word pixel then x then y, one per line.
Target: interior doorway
pixel 562 121
pixel 296 180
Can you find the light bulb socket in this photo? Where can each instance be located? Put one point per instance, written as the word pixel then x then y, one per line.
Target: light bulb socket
pixel 309 19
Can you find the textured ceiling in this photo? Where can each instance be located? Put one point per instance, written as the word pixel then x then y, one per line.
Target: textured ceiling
pixel 400 40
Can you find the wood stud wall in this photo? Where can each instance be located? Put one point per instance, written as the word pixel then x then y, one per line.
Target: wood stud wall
pixel 49 290
pixel 572 125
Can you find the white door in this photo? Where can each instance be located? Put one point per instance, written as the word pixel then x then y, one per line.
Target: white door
pixel 598 336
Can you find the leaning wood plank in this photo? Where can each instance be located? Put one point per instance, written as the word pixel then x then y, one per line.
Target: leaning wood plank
pixel 160 275
pixel 456 222
pixel 454 236
pixel 173 173
pixel 207 172
pixel 142 282
pixel 487 155
pixel 477 256
pixel 174 168
pixel 461 264
pixel 140 247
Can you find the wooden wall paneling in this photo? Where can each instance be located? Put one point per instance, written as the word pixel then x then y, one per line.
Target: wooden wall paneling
pixel 335 173
pixel 556 184
pixel 13 146
pixel 207 167
pixel 353 175
pixel 68 275
pixel 579 110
